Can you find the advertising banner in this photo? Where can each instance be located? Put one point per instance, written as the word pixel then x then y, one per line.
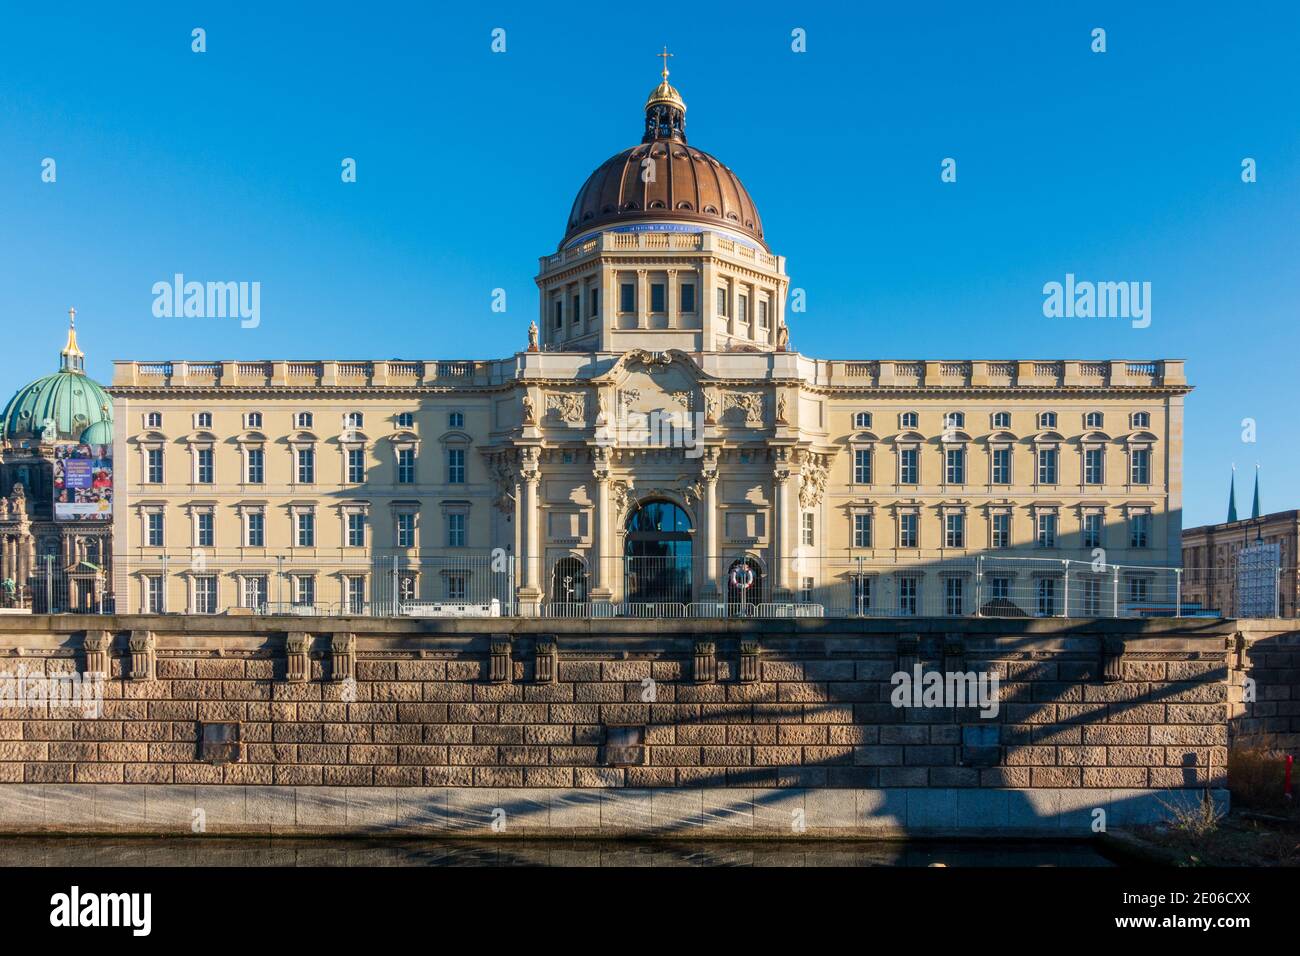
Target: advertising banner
pixel 83 483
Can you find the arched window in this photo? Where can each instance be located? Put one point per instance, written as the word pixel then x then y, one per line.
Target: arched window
pixel 908 420
pixel 1093 420
pixel 1141 419
pixel 657 554
pixel 862 420
pixel 1047 419
pixel 354 420
pixel 954 420
pixel 1001 419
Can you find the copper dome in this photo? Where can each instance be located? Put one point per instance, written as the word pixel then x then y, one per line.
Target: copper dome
pixel 689 185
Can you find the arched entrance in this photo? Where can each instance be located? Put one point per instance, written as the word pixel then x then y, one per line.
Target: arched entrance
pixel 569 581
pixel 657 554
pixel 746 582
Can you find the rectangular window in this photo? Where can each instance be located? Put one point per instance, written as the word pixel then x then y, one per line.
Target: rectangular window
pixel 304 590
pixel 861 593
pixel 722 302
pixel 1047 531
pixel 455 531
pixel 862 531
pixel 1046 593
pixel 907 530
pixel 686 297
pixel 456 466
pixel 658 299
pixel 742 309
pixel 807 524
pixel 456 587
pixel 154 529
pixel 356 590
pixel 205 594
pixel 356 465
pixel 1094 460
pixel 406 466
pixel 253 591
pixel 204 530
pixel 306 529
pixel 954 530
pixel 154 602
pixel 256 524
pixel 1141 466
pixel 1137 590
pixel 955 466
pixel 203 471
pixel 907 466
pixel 256 461
pixel 1092 524
pixel 558 312
pixel 306 466
pixel 356 530
pixel 1000 589
pixel 907 594
pixel 406 531
pixel 627 297
pixel 575 309
pixel 1001 529
pixel 1001 466
pixel 154 468
pixel 1140 531
pixel 593 302
pixel 952 597
pixel 1091 596
pixel 862 466
pixel 762 313
pixel 456 420
pixel 405 420
pixel 1047 466
pixel 806 590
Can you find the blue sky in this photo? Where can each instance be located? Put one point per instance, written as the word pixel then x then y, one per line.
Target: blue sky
pixel 225 165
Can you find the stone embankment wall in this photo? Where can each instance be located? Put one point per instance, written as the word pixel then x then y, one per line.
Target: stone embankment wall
pixel 511 727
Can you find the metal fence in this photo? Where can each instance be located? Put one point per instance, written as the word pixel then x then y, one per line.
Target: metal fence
pixel 491 584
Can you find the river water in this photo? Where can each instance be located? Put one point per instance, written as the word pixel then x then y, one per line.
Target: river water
pixel 217 851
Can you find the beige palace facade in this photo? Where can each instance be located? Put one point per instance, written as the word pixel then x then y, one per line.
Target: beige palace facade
pixel 658 443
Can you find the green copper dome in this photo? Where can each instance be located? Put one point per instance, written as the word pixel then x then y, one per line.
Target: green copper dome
pixel 75 404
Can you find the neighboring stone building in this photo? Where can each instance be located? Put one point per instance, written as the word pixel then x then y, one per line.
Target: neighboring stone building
pixel 660 443
pixel 55 531
pixel 1244 568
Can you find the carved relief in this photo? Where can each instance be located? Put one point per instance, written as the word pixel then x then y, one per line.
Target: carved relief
pixel 569 407
pixel 812 473
pixel 749 404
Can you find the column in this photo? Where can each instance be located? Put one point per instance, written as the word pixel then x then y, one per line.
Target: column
pixel 642 299
pixel 531 558
pixel 708 518
pixel 670 291
pixel 599 545
pixel 782 544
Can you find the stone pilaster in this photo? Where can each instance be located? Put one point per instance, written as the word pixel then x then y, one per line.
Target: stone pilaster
pixel 343 657
pixel 144 655
pixel 297 649
pixel 97 645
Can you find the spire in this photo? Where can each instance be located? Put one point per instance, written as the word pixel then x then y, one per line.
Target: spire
pixel 665 110
pixel 1232 496
pixel 1254 508
pixel 71 359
